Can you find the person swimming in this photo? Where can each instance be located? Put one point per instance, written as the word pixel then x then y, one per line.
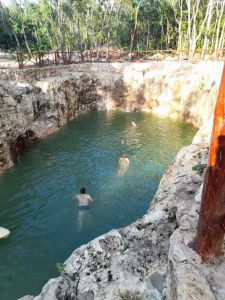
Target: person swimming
pixel 83 199
pixel 133 124
pixel 123 164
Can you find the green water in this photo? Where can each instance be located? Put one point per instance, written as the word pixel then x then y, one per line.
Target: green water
pixel 36 195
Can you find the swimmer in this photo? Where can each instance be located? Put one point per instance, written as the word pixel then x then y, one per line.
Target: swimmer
pixel 83 199
pixel 133 124
pixel 123 164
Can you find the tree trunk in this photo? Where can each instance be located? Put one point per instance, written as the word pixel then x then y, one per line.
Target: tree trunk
pixel 202 27
pixel 211 224
pixel 207 28
pixel 218 25
pixel 148 34
pixel 135 28
pixel 179 21
pixel 79 41
pixel 94 39
pixel 221 42
pixel 193 38
pixel 17 40
pixel 188 2
pixel 23 28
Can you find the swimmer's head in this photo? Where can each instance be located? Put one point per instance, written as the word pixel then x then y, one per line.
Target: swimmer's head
pixel 82 190
pixel 124 155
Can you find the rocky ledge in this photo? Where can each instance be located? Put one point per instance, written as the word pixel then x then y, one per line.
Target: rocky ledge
pixel 149 259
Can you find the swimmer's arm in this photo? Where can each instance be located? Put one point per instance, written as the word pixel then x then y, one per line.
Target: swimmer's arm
pixel 76 197
pixel 90 198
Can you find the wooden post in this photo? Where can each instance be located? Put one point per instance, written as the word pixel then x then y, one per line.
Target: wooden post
pixel 211 223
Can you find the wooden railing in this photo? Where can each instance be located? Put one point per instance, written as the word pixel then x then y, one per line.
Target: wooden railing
pixel 43 59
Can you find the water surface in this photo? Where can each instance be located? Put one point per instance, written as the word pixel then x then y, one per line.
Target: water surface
pixel 36 195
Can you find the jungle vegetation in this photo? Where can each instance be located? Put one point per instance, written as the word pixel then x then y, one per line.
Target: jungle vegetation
pixel 112 24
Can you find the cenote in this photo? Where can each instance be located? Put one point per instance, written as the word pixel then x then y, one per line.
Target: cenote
pixel 36 195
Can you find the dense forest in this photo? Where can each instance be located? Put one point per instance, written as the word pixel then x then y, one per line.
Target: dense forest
pixel 112 24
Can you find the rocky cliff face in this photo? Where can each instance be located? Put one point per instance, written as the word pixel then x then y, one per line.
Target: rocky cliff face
pixel 28 112
pixel 36 102
pixel 149 259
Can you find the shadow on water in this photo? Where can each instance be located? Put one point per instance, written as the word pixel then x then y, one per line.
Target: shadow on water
pixel 36 195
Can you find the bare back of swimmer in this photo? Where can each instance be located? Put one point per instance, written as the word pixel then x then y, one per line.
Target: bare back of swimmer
pixel 83 198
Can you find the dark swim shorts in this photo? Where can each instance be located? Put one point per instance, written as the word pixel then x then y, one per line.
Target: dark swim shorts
pixel 83 207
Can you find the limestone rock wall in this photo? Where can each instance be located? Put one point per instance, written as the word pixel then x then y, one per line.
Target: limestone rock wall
pixel 20 107
pixel 36 102
pixel 179 89
pixel 28 112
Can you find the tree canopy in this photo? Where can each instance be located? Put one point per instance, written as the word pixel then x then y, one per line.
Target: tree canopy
pixel 112 24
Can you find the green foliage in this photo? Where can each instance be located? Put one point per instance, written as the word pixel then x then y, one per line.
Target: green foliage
pixel 128 295
pixel 59 267
pixel 125 247
pixel 93 24
pixel 199 168
pixel 201 86
pixel 6 38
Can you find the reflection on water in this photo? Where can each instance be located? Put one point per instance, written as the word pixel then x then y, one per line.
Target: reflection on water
pixel 36 195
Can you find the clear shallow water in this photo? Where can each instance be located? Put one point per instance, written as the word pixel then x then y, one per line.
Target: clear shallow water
pixel 36 195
